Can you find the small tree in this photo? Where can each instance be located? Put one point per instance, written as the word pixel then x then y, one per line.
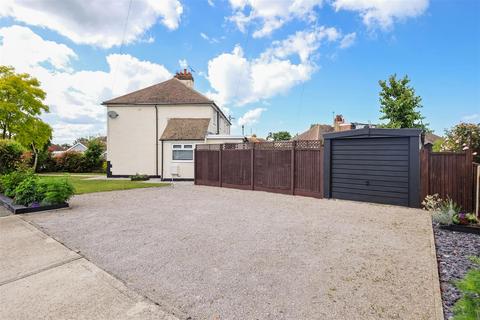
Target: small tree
pixel 399 104
pixel 36 134
pixel 461 137
pixel 93 155
pixel 279 136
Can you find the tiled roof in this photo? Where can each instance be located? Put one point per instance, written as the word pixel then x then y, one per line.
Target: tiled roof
pixel 186 129
pixel 172 91
pixel 315 132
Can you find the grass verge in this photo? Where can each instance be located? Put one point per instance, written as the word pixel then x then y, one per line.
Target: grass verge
pixel 83 185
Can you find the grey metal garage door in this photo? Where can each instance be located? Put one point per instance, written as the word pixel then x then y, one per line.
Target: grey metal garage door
pixel 374 165
pixel 370 169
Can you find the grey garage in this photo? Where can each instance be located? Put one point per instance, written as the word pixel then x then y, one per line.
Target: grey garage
pixel 374 165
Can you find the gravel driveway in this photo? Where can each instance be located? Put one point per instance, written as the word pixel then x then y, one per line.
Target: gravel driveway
pixel 217 253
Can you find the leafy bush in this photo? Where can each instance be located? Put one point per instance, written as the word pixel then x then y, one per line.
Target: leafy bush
pixel 28 191
pixel 71 162
pixel 93 155
pixel 139 177
pixel 56 191
pixel 446 213
pixel 104 167
pixel 10 155
pixel 468 306
pixel 9 182
pixel 432 202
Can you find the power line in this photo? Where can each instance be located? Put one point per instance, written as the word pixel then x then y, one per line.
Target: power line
pixel 114 78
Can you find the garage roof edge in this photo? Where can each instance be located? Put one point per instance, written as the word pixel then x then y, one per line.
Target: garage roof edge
pixel 374 132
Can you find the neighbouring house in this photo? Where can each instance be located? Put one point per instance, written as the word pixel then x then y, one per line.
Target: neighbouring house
pixel 154 130
pixel 58 150
pixel 430 139
pixel 315 132
pixel 254 139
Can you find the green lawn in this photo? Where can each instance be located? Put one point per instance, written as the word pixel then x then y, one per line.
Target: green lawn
pixel 83 185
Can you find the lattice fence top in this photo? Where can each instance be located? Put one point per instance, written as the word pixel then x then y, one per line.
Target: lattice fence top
pixel 271 145
pixel 208 147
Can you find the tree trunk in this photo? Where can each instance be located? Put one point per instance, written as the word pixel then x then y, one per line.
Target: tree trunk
pixel 35 161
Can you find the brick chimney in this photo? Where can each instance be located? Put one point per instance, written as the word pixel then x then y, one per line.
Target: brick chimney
pixel 340 125
pixel 186 77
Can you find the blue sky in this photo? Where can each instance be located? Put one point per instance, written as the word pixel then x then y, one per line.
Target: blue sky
pixel 279 65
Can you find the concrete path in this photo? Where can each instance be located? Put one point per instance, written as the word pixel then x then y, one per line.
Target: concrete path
pixel 218 253
pixel 42 279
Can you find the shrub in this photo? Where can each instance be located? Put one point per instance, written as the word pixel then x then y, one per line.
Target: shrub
pixel 56 191
pixel 432 202
pixel 46 162
pixel 139 177
pixel 10 155
pixel 28 191
pixel 71 162
pixel 9 182
pixel 104 166
pixel 446 213
pixel 468 306
pixel 93 155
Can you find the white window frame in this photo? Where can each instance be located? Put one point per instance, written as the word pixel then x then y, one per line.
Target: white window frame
pixel 182 147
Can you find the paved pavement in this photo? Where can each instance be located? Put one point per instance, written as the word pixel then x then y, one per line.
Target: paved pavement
pixel 217 253
pixel 42 279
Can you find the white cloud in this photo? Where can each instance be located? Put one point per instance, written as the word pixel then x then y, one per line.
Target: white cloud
pixel 348 40
pixel 383 12
pixel 211 3
pixel 99 23
pixel 74 97
pixel 251 117
pixel 209 39
pixel 33 49
pixel 271 15
pixel 238 80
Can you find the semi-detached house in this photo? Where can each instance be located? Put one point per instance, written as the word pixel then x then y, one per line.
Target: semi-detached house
pixel 154 130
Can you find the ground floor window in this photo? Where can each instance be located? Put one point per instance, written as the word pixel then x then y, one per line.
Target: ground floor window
pixel 182 152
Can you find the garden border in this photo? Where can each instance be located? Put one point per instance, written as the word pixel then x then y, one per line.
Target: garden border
pixel 18 209
pixel 462 228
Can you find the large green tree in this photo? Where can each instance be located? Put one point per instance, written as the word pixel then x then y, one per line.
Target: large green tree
pixel 279 136
pixel 400 105
pixel 21 99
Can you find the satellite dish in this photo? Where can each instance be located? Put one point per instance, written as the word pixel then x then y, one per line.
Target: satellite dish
pixel 112 114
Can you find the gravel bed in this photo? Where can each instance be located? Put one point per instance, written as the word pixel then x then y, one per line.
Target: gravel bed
pixel 453 250
pixel 219 253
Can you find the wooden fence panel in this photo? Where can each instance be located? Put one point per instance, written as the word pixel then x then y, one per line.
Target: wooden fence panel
pixel 285 167
pixel 309 172
pixel 272 170
pixel 450 175
pixel 236 165
pixel 207 167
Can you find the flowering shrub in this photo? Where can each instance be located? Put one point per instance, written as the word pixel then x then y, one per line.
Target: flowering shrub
pixel 432 202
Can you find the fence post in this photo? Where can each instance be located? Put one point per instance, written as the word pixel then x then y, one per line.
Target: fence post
pixel 220 166
pixel 425 172
pixel 195 165
pixel 292 176
pixel 469 174
pixel 252 166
